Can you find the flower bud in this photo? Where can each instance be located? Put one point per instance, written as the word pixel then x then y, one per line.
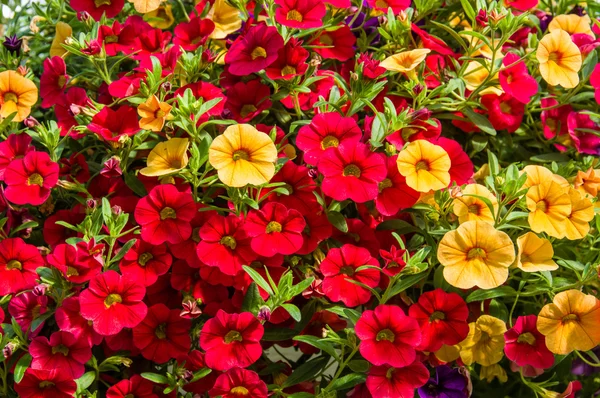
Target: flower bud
pixel 40 290
pixel 9 348
pixel 482 18
pixel 264 314
pixel 30 122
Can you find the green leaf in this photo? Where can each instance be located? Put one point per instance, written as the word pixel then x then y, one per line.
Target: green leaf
pixel 316 342
pixel 500 291
pixel 406 282
pixel 338 220
pixel 85 381
pixel 302 286
pixel 28 224
pixel 348 381
pixel 306 371
pixel 293 311
pixel 550 157
pixel 278 334
pixel 201 374
pixel 480 121
pixel 21 367
pixel 359 365
pixel 469 11
pixel 252 300
pixel 260 281
pixel 155 377
pixel 123 251
pixel 136 185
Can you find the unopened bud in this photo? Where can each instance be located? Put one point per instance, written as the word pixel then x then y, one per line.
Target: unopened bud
pixel 190 309
pixel 117 210
pixel 482 18
pixel 313 173
pixel 264 314
pixel 455 192
pixel 91 204
pixel 166 86
pixel 40 290
pixel 30 122
pixel 9 349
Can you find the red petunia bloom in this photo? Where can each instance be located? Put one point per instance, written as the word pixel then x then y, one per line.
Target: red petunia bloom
pixel 18 264
pixel 247 100
pixel 326 130
pixel 117 38
pixel 71 104
pixel 371 67
pixel 165 215
pixel 75 168
pixel 388 336
pixel 394 261
pixel 352 171
pixel 383 5
pixel 299 186
pixel 14 147
pixel 225 244
pixel 584 132
pixel 63 351
pixel 442 318
pixel 515 80
pixel 461 166
pixel 237 383
pixel 113 302
pixel 163 334
pixel 69 319
pixel 30 180
pixel 231 340
pixel 339 267
pixel 96 8
pixel 525 345
pixel 46 384
pixel 151 42
pixel 594 81
pixel 193 34
pixel 554 120
pixel 290 62
pixel 53 81
pixel 318 228
pixel 337 44
pixel 300 14
pixel 432 42
pixel 254 51
pixel 136 386
pixel 505 112
pixel 64 257
pixel 145 262
pixel 394 194
pixel 275 230
pixel 389 382
pixel 522 5
pixel 111 124
pixel 26 307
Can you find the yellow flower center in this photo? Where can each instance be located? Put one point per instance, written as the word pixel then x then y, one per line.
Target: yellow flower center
pixel 381 4
pixel 387 183
pixel 294 15
pixel 351 170
pixel 505 108
pixel 437 316
pixel 112 299
pixel 160 331
pixel 258 52
pixel 240 154
pixel 542 206
pixel 144 258
pixel 14 264
pixel 247 109
pixel 111 39
pixel 196 235
pixel 326 39
pixel 46 384
pixel 474 208
pixel 62 80
pixel 390 373
pixel 129 396
pixel 273 226
pixel 9 96
pixel 526 338
pixel 329 141
pixel 288 70
pixel 239 390
pixel 167 212
pixel 422 165
pixel 485 337
pixel 347 270
pixel 228 241
pixel 555 57
pixel 71 271
pixel 100 3
pixel 60 349
pixel 570 317
pixel 231 336
pixel 385 334
pixel 476 252
pixel 35 179
pixel 159 114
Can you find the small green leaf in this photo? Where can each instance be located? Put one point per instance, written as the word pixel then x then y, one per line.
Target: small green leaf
pixel 500 291
pixel 256 277
pixel 480 121
pixel 293 311
pixel 338 220
pixel 316 342
pixel 306 371
pixel 85 381
pixel 155 377
pixel 21 367
pixel 348 381
pixel 252 300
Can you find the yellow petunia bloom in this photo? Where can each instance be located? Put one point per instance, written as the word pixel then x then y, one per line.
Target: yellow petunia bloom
pixel 167 157
pixel 161 18
pixel 495 371
pixel 577 224
pixel 538 174
pixel 549 207
pixel 243 155
pixel 572 24
pixel 17 94
pixel 227 19
pixel 406 61
pixel 476 254
pixel 560 59
pixel 153 114
pixel 485 343
pixel 474 76
pixel 63 31
pixel 448 353
pixel 588 182
pixel 145 6
pixel 472 208
pixel 425 166
pixel 571 322
pixel 535 253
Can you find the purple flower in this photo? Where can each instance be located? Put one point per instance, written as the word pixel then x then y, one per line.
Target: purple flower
pixel 581 368
pixel 13 44
pixel 447 383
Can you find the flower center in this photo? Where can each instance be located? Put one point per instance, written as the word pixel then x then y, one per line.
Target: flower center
pixel 570 317
pixel 129 396
pixel 62 80
pixel 476 252
pixel 526 338
pixel 167 212
pixel 294 15
pixel 273 226
pixel 505 108
pixel 381 4
pixel 228 241
pixel 326 39
pixel 112 299
pixel 239 390
pixel 160 331
pixel 231 336
pixel 390 373
pixel 555 57
pixel 347 270
pixel 60 349
pixel 422 165
pixel 387 183
pixel 14 264
pixel 485 337
pixel 542 206
pixel 46 384
pixel 247 109
pixel 100 3
pixel 35 179
pixel 474 208
pixel 258 52
pixel 288 70
pixel 240 154
pixel 437 316
pixel 330 141
pixel 144 258
pixel 11 97
pixel 351 170
pixel 72 271
pixel 111 39
pixel 386 334
pixel 159 114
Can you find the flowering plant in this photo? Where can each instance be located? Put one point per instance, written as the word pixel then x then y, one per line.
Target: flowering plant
pixel 299 198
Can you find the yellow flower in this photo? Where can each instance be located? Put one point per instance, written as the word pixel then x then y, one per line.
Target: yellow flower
pixel 448 353
pixel 145 6
pixel 17 94
pixel 227 19
pixel 469 207
pixel 535 253
pixel 577 224
pixel 560 59
pixel 483 172
pixel 153 114
pixel 243 155
pixel 63 31
pixel 588 183
pixel 485 343
pixel 167 157
pixel 572 24
pixel 538 174
pixel 489 373
pixel 424 165
pixel 161 18
pixel 476 254
pixel 549 206
pixel 406 61
pixel 476 73
pixel 571 322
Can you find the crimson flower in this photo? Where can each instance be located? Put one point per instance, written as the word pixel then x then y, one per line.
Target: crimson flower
pixel 290 62
pixel 371 67
pixel 231 340
pixel 14 147
pixel 584 132
pixel 432 42
pixel 525 345
pixel 18 264
pixel 389 382
pixel 247 100
pixel 117 38
pixel 65 258
pixel 136 386
pixel 339 267
pixel 394 260
pixel 69 319
pixel 301 14
pixel 96 8
pixel 461 166
pixel 26 307
pixel 30 180
pixel 70 105
pixel 337 44
pixel 111 124
pixel 442 318
pixel 299 185
pixel 254 51
pixel 394 194
pixel 554 121
pixel 63 351
pixel 383 5
pixel 505 112
pixel 46 384
pixel 193 34
pixel 53 81
pixel 145 262
pixel 237 383
pixel 515 80
pixel 113 302
pixel 318 228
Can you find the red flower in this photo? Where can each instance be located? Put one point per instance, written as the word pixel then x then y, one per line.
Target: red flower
pixel 371 68
pixel 326 130
pixel 525 345
pixel 194 361
pixel 516 80
pixel 388 382
pixel 352 171
pixel 340 266
pixel 112 124
pixel 193 34
pixel 291 61
pixel 394 194
pixel 118 38
pixel 388 336
pixel 432 42
pixel 14 147
pixel 69 319
pixel 136 386
pixel 145 262
pixel 554 120
pixel 63 351
pixel 299 185
pixel 75 168
pixel 594 81
pixel 71 104
pixel 163 334
pixel 26 307
pixel 301 14
pixel 337 44
pixel 231 340
pixel 237 383
pixel 254 51
pixel 46 384
pixel 30 180
pixel 394 261
pixel 318 228
pixel 461 166
pixel 113 302
pixel 96 8
pixel 165 215
pixel 383 5
pixel 505 112
pixel 225 244
pixel 65 258
pixel 584 132
pixel 275 230
pixel 18 264
pixel 247 100
pixel 522 5
pixel 442 318
pixel 53 81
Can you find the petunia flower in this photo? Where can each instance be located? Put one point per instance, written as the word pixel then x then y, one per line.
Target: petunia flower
pixel 461 166
pixel 406 61
pixel 476 254
pixel 193 34
pixel 237 383
pixel 97 8
pixel 535 253
pixel 245 101
pixel 299 185
pixel 111 124
pixel 522 5
pixel 389 382
pixel 227 19
pixel 53 81
pixel 68 259
pixel 537 175
pixel 554 122
pixel 145 262
pixel 68 319
pixel 300 14
pixel 30 180
pixel 485 343
pixel 290 62
pixel 586 182
pixel 14 147
pixel 549 206
pixel 447 383
pixel 17 95
pixel 383 5
pixel 577 224
pixel 62 351
pixel 571 322
pixel 167 157
pixel 559 59
pixel 476 74
pixel 153 114
pixel 25 307
pixel 135 386
pixel 572 24
pixel 254 51
pixel 595 82
pixel 18 264
pixel 46 383
pixel 394 193
pixel 63 31
pixel 505 112
pixel 336 44
pixel 470 207
pixel 425 166
pixel 161 18
pixel 525 345
pixel 515 79
pixel 584 132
